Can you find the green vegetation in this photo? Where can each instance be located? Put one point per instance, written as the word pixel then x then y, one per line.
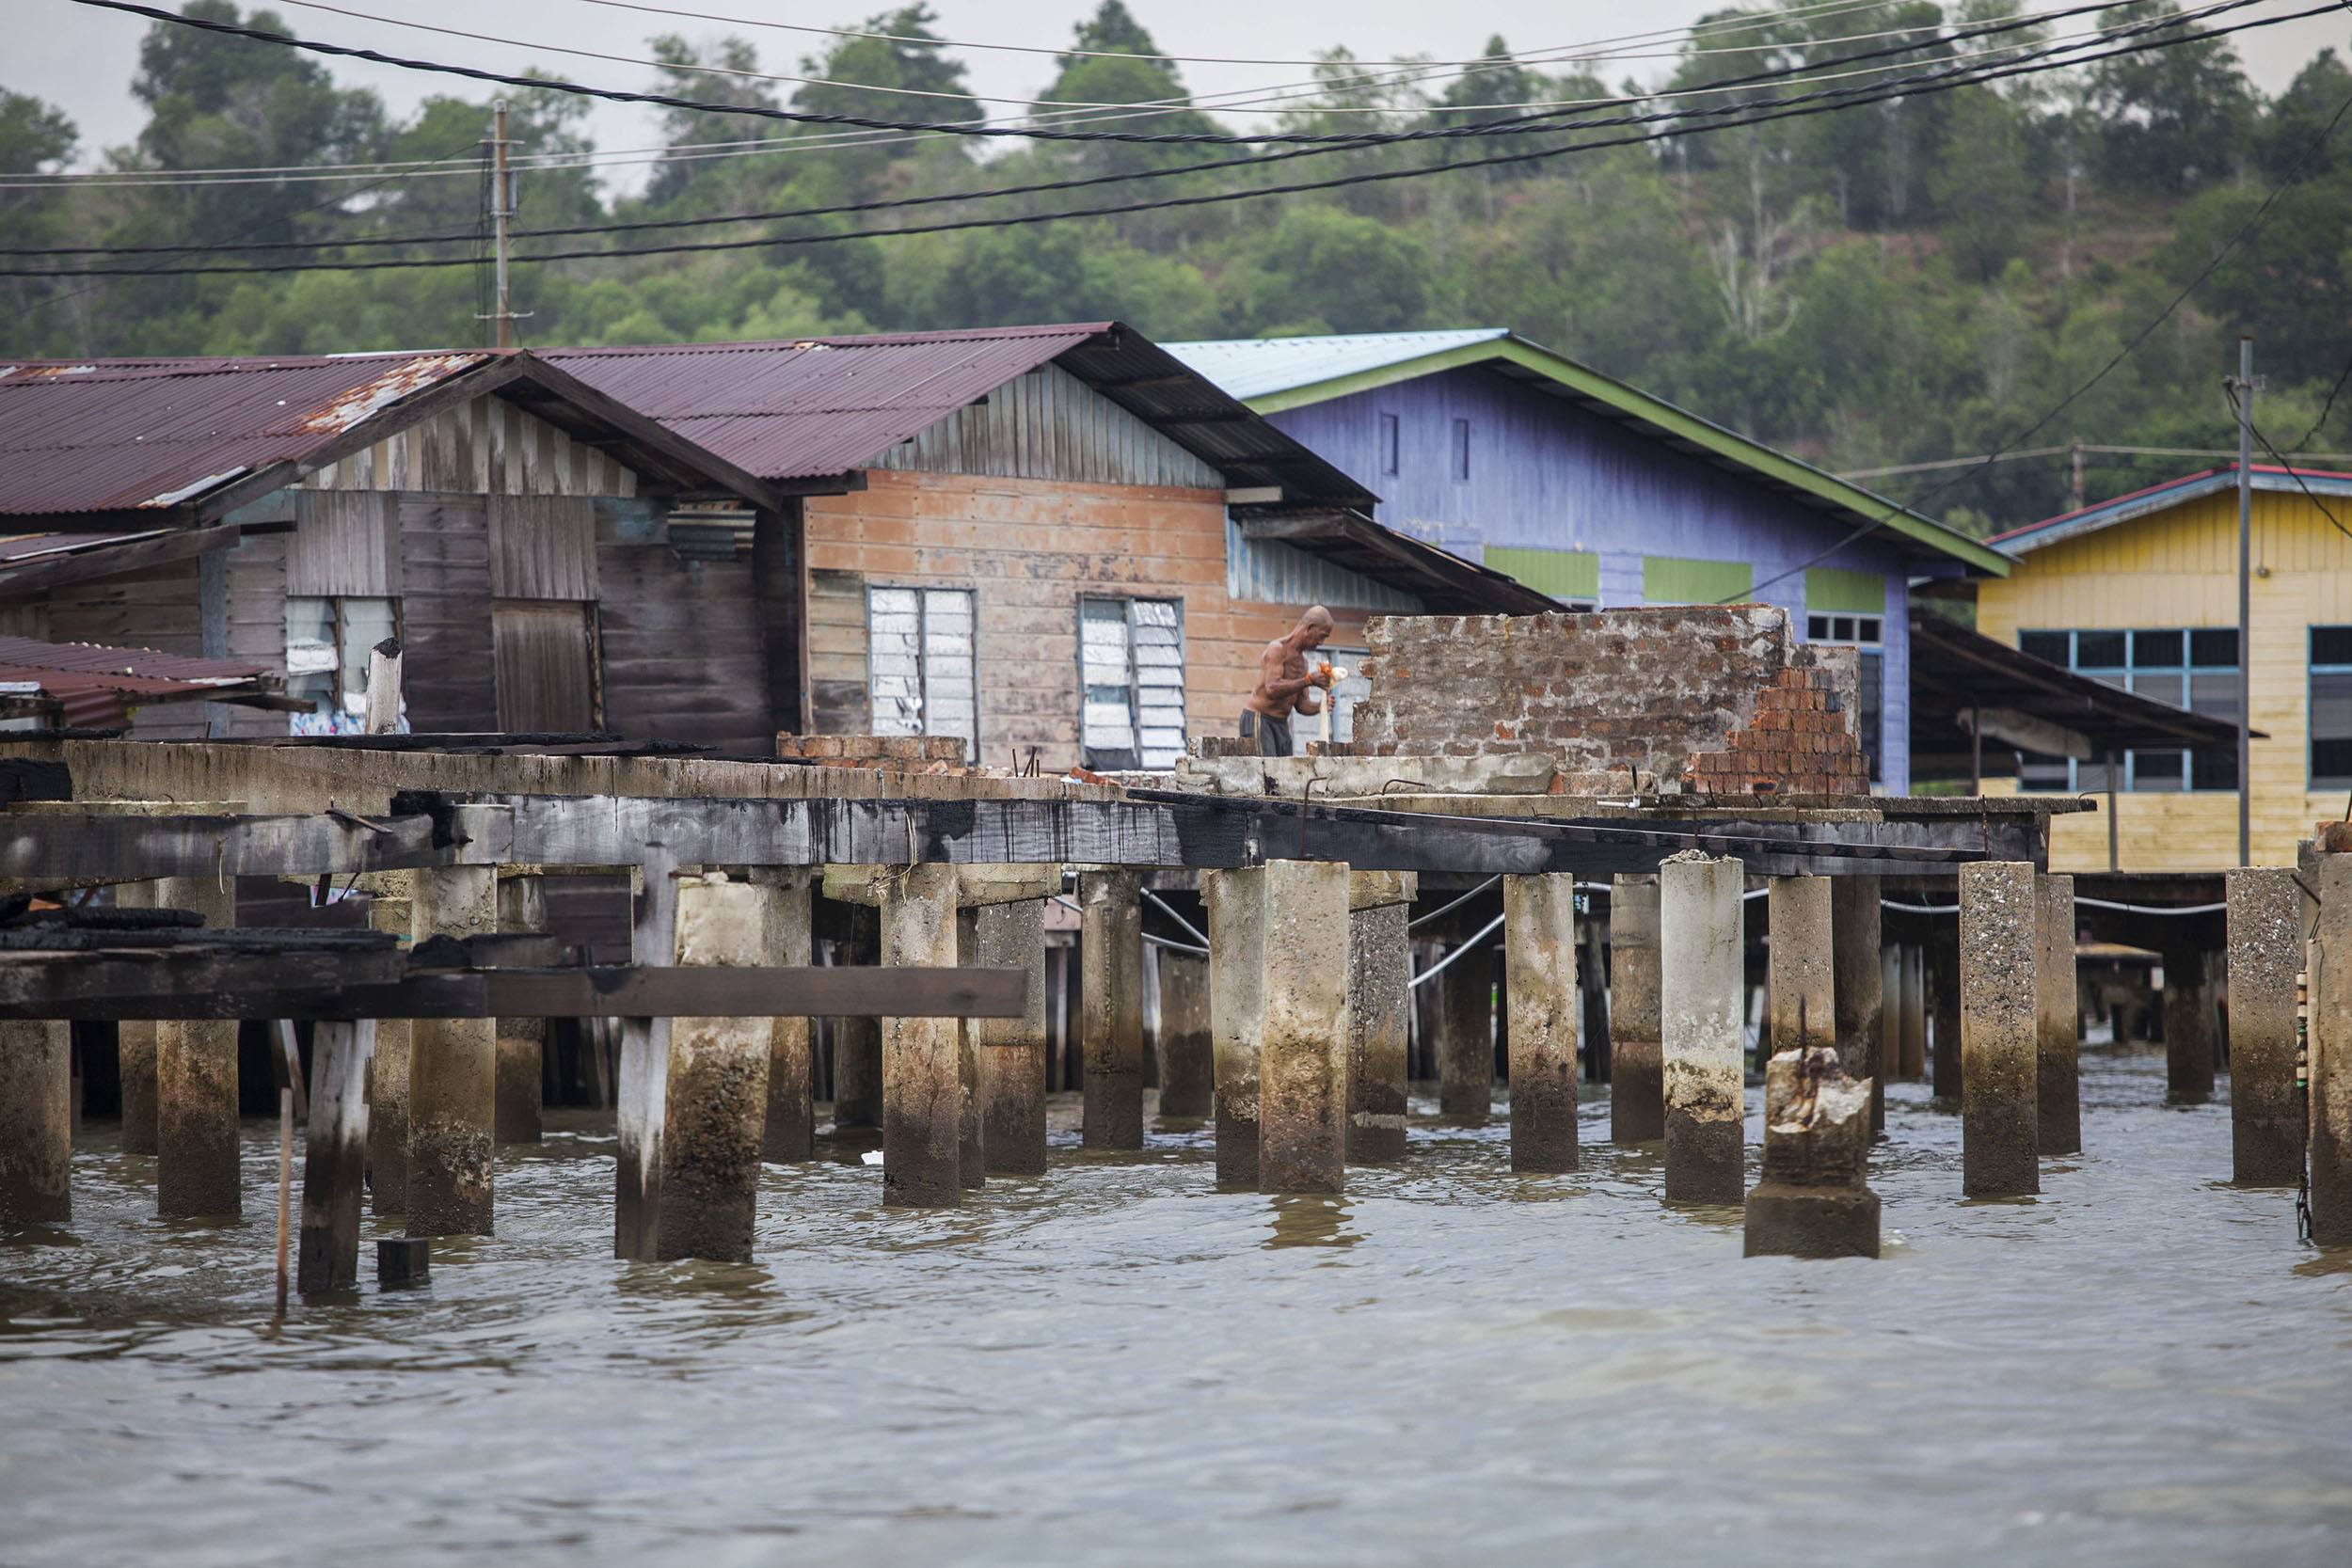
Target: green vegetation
pixel 1895 283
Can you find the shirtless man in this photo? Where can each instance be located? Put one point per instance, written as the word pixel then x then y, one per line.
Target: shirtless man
pixel 1286 686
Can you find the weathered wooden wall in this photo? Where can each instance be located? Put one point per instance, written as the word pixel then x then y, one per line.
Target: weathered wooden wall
pixel 488 445
pixel 683 653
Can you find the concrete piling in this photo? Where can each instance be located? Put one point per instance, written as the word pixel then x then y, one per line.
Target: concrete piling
pixel 715 1112
pixel 2188 1055
pixel 1913 1063
pixel 2330 1057
pixel 1237 931
pixel 387 1072
pixel 642 1085
pixel 1187 1071
pixel 335 1154
pixel 36 1123
pixel 1111 1006
pixel 134 1049
pixel 1700 1026
pixel 1944 998
pixel 1999 916
pixel 522 1042
pixel 1811 1201
pixel 1302 1071
pixel 452 1072
pixel 2058 1025
pixel 1857 982
pixel 1890 1057
pixel 786 909
pixel 1012 1050
pixel 857 1042
pixel 1379 1002
pixel 1802 1012
pixel 1539 978
pixel 971 1148
pixel 1637 1095
pixel 922 1079
pixel 196 1082
pixel 1466 1034
pixel 2267 952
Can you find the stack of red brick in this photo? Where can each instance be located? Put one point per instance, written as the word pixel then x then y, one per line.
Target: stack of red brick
pixel 1798 742
pixel 943 753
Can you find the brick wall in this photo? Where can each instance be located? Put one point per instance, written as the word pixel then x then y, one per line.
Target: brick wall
pixel 1717 698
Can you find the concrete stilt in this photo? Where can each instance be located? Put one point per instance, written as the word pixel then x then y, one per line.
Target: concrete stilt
pixel 715 1115
pixel 196 1082
pixel 1699 1027
pixel 1012 1050
pixel 2266 953
pixel 1187 1071
pixel 1802 1009
pixel 1811 1201
pixel 786 909
pixel 641 1089
pixel 452 1072
pixel 36 1123
pixel 1858 984
pixel 1946 997
pixel 1111 1006
pixel 857 1075
pixel 522 1042
pixel 922 1079
pixel 2331 1057
pixel 1379 1002
pixel 1637 1095
pixel 1999 914
pixel 1466 1038
pixel 2058 1121
pixel 1302 1071
pixel 135 1050
pixel 1540 978
pixel 1237 930
pixel 2189 1068
pixel 1890 1060
pixel 387 1072
pixel 335 1154
pixel 1914 1064
pixel 971 1148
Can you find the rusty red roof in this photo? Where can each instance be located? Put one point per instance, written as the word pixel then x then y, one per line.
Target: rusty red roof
pixel 91 682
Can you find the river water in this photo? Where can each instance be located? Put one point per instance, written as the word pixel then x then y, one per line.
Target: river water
pixel 1118 1364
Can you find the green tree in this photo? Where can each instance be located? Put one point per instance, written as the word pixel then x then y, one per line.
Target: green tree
pixel 2171 119
pixel 1319 263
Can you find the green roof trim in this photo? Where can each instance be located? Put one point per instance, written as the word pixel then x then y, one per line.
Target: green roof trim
pixel 1562 574
pixel 1678 580
pixel 1866 506
pixel 1842 588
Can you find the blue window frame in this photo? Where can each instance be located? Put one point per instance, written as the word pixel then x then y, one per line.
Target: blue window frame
pixel 2190 667
pixel 1388 443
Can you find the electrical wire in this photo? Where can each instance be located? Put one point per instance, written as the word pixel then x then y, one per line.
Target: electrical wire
pixel 1882 92
pixel 2325 408
pixel 2309 494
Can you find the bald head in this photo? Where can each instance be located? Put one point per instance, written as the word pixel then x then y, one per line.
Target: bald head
pixel 1317 617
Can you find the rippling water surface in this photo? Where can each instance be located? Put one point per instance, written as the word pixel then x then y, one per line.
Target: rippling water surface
pixel 1118 1365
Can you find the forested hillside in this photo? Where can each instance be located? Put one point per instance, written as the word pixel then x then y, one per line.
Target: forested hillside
pixel 1904 280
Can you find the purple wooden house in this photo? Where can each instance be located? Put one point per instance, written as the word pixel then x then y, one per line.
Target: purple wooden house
pixel 1501 450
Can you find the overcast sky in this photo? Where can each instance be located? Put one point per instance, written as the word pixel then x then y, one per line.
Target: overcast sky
pixel 82 58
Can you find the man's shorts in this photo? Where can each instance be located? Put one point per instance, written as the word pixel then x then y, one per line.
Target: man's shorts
pixel 1272 735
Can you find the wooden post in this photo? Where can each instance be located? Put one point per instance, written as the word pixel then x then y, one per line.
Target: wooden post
pixel 522 906
pixel 787 910
pixel 385 710
pixel 1637 1095
pixel 452 1072
pixel 285 1186
pixel 641 1095
pixel 1013 1054
pixel 1302 1074
pixel 388 1071
pixel 858 1076
pixel 36 1123
pixel 1466 1034
pixel 2188 1055
pixel 134 1049
pixel 1111 955
pixel 1915 1041
pixel 2058 1095
pixel 1237 932
pixel 1700 1027
pixel 1999 910
pixel 1898 1000
pixel 2267 952
pixel 1945 996
pixel 1539 978
pixel 715 1105
pixel 196 1082
pixel 1858 984
pixel 334 1160
pixel 971 1129
pixel 1187 1071
pixel 922 1083
pixel 1379 1002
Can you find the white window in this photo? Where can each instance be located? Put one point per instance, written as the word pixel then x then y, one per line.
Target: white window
pixel 1344 693
pixel 1131 671
pixel 919 668
pixel 327 645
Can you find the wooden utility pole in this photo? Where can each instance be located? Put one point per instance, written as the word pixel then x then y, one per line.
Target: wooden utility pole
pixel 2074 475
pixel 2243 385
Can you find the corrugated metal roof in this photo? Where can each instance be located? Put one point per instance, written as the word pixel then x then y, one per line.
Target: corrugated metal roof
pixel 131 435
pixel 91 682
pixel 2170 493
pixel 1257 367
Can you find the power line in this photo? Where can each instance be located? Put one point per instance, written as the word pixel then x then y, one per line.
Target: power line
pixel 2062 452
pixel 2244 231
pixel 1921 85
pixel 2310 495
pixel 2325 408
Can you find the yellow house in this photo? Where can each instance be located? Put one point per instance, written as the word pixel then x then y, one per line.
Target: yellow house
pixel 2141 592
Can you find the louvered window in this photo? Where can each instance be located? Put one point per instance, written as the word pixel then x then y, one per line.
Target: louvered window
pixel 919 661
pixel 1131 667
pixel 328 640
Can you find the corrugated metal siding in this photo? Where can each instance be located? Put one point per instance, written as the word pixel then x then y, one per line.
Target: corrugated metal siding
pixel 1270 572
pixel 543 548
pixel 1048 424
pixel 485 446
pixel 344 543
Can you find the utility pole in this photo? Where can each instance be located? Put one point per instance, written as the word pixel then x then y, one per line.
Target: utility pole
pixel 501 209
pixel 2244 387
pixel 2074 475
